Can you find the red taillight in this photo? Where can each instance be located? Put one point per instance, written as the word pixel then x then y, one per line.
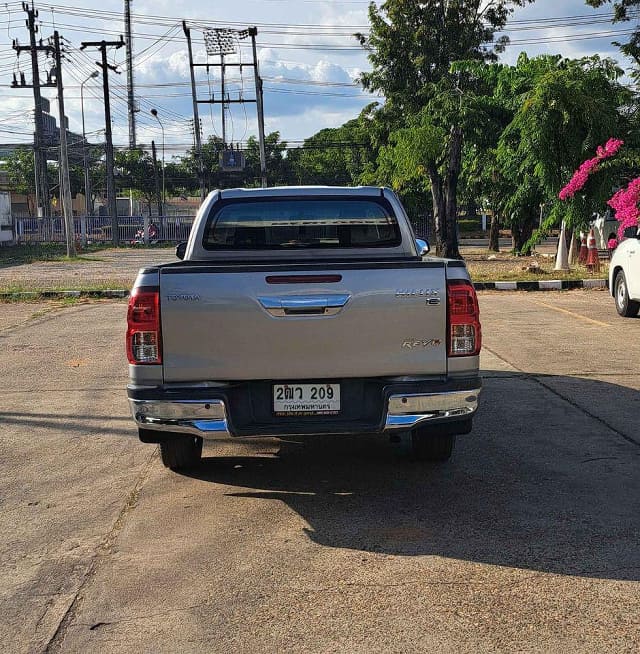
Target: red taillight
pixel 463 314
pixel 144 344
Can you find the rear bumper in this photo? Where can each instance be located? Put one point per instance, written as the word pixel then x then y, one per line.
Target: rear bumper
pixel 405 405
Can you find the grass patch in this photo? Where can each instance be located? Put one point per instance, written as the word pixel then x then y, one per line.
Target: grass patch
pixel 507 268
pixel 506 276
pixel 20 289
pixel 16 255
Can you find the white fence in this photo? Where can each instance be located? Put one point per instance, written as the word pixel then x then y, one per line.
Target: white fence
pixel 97 229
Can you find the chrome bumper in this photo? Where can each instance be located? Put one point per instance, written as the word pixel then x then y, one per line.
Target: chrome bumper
pixel 208 418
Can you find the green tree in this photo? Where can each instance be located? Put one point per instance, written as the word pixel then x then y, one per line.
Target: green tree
pixel 563 109
pixel 412 45
pixel 182 174
pixel 625 10
pixel 486 116
pixel 336 156
pixel 19 166
pixel 136 172
pixel 278 171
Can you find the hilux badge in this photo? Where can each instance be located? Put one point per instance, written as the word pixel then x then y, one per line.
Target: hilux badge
pixel 417 292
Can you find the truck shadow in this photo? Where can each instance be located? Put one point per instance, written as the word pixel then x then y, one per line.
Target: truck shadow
pixel 549 480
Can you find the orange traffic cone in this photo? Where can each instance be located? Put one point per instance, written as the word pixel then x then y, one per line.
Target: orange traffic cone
pixel 593 262
pixel 584 251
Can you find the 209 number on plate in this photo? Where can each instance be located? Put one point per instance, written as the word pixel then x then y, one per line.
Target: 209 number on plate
pixel 306 399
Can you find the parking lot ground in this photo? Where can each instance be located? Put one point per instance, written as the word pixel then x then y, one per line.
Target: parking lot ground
pixel 526 541
pixel 115 268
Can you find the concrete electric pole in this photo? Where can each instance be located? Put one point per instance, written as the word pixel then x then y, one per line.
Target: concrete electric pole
pixel 253 31
pixel 39 149
pixel 196 118
pixel 130 94
pixel 65 184
pixel 111 185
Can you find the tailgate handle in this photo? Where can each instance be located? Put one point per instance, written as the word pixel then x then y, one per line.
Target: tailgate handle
pixel 304 305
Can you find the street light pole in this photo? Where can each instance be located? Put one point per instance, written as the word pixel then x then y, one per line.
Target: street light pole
pixel 88 208
pixel 154 113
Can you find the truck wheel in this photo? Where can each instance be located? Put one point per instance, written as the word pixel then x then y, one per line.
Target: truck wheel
pixel 625 306
pixel 427 446
pixel 181 452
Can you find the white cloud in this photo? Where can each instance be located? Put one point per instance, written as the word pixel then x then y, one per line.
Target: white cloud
pixel 320 95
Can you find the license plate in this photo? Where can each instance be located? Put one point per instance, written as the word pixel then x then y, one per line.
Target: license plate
pixel 306 399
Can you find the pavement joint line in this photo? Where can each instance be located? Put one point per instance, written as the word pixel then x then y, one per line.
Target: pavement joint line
pixel 572 313
pixel 103 549
pixel 522 285
pixel 575 405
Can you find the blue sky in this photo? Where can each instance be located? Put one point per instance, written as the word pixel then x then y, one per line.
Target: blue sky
pixel 308 60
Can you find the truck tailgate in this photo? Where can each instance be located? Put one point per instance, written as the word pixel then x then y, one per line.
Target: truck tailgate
pixel 235 322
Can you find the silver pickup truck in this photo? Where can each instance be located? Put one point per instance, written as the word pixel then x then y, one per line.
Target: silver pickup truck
pixel 303 311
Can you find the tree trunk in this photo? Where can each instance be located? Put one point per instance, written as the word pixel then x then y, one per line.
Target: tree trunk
pixel 444 192
pixel 439 211
pixel 451 194
pixel 494 233
pixel 522 232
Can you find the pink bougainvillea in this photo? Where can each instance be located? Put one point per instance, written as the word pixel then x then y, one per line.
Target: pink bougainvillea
pixel 609 149
pixel 625 204
pixel 580 177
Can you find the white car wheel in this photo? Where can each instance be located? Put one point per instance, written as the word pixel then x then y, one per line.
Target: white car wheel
pixel 625 306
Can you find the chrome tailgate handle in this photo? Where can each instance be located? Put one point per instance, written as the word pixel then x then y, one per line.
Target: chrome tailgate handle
pixel 304 305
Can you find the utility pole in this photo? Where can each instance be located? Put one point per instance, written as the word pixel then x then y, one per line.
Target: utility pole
pixel 253 31
pixel 111 184
pixel 65 184
pixel 223 105
pixel 40 165
pixel 219 42
pixel 85 159
pixel 196 118
pixel 130 96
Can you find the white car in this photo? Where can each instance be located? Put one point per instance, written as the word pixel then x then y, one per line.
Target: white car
pixel 624 274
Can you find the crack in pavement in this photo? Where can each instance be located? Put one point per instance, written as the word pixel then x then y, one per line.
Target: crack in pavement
pixel 569 401
pixel 47 315
pixel 103 549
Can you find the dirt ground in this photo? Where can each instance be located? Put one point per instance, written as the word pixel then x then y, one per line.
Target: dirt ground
pixel 495 266
pixel 117 268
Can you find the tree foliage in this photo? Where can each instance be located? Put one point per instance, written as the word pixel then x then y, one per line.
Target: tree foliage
pixel 622 11
pixel 136 172
pixel 413 46
pixel 563 109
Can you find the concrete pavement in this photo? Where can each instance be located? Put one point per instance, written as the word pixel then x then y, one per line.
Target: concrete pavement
pixel 526 541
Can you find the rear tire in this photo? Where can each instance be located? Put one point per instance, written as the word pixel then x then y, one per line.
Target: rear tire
pixel 625 306
pixel 181 452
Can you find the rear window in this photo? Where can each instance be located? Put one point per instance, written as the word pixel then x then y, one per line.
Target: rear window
pixel 274 224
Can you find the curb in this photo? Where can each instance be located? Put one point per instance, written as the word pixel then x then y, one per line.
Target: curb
pixel 540 285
